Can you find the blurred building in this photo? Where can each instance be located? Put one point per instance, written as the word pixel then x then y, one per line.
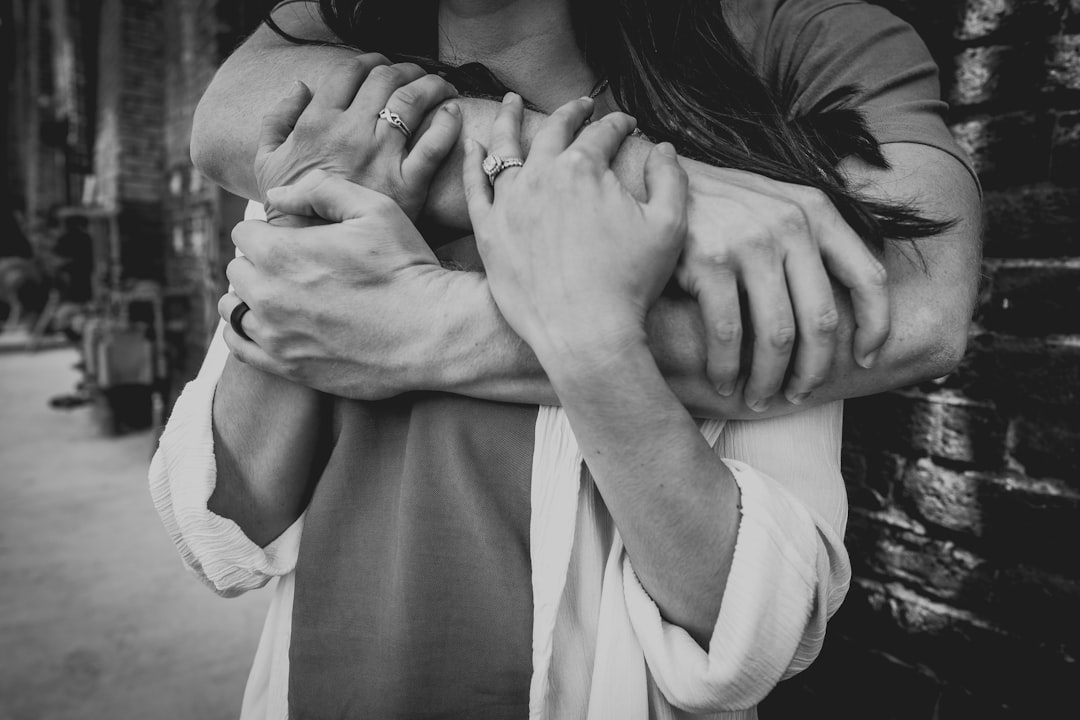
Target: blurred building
pixel 101 94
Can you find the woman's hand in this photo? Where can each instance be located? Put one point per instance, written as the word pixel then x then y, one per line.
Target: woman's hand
pixel 333 307
pixel 338 130
pixel 573 260
pixel 758 250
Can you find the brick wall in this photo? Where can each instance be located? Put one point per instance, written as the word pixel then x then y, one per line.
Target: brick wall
pixel 965 493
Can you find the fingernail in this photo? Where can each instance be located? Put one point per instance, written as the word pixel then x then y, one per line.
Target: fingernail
pixel 509 98
pixel 272 193
pixel 869 359
pixel 757 404
pixel 797 398
pixel 725 390
pixel 453 109
pixel 666 148
pixel 470 145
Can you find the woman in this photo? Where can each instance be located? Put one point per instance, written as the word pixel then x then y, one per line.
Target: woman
pixel 681 537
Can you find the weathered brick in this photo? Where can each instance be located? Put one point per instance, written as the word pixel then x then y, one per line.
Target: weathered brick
pixel 1064 64
pixel 1065 150
pixel 943 425
pixel 1011 19
pixel 1034 221
pixel 946 570
pixel 956 647
pixel 1032 297
pixel 1018 372
pixel 1005 515
pixel 1046 442
pixel 1008 75
pixel 992 142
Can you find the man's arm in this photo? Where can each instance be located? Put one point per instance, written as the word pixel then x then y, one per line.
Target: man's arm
pixel 931 312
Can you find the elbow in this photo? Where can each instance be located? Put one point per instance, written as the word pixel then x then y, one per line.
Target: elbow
pixel 943 339
pixel 205 144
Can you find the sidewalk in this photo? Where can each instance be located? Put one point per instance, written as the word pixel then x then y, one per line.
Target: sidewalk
pixel 98 619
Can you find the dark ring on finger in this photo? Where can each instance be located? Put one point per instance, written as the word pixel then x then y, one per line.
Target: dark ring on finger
pixel 236 317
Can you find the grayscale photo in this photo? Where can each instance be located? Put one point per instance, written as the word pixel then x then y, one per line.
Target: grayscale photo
pixel 540 360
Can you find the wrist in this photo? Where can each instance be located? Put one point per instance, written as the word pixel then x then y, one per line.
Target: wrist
pixel 589 354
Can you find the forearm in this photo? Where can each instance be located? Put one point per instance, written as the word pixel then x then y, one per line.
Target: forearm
pixel 675 503
pixel 268 434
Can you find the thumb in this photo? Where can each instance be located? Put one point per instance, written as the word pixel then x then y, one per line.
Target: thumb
pixel 280 121
pixel 478 191
pixel 665 183
pixel 321 194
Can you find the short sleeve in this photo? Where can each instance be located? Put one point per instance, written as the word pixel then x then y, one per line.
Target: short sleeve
pixel 808 49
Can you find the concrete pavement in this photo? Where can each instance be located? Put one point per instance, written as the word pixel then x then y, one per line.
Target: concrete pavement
pixel 98 619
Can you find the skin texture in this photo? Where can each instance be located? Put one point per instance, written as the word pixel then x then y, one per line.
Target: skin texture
pixel 481 354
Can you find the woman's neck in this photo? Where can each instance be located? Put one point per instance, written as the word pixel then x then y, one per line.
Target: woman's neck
pixel 529 44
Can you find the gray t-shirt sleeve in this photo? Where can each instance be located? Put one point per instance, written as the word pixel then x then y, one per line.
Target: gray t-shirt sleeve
pixel 808 49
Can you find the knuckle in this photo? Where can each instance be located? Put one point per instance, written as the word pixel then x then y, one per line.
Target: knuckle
pixel 792 220
pixel 814 199
pixel 727 332
pixel 408 68
pixel 384 74
pixel 877 276
pixel 407 96
pixel 782 337
pixel 759 242
pixel 575 159
pixel 827 321
pixel 373 59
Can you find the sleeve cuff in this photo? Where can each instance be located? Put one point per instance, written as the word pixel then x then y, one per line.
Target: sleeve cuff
pixel 183 474
pixel 788 574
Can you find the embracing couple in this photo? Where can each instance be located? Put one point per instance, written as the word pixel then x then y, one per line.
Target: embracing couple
pixel 528 385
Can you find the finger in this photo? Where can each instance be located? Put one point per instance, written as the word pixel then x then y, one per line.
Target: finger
pixel 433 147
pixel 666 184
pixel 478 191
pixel 280 121
pixel 506 133
pixel 249 353
pixel 816 321
pixel 718 297
pixel 249 322
pixel 558 130
pixel 331 197
pixel 850 261
pixel 411 103
pixel 774 330
pixel 602 139
pixel 380 84
pixel 243 277
pixel 338 87
pixel 255 239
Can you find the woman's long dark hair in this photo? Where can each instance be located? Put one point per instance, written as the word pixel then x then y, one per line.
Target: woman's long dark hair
pixel 676 66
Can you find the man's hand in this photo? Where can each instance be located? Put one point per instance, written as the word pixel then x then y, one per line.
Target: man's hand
pixel 338 130
pixel 334 307
pixel 761 248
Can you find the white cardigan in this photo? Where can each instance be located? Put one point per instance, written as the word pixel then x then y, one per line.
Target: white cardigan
pixel 601 649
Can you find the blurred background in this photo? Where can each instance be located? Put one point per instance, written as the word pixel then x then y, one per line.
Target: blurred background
pixel 965 492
